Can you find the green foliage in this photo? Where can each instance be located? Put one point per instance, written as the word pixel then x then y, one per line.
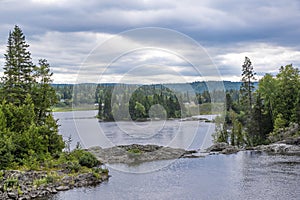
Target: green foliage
pixel 247 87
pixel 123 102
pixel 77 159
pixel 27 128
pixel 10 183
pixel 18 68
pixel 270 113
pixel 221 134
pixel 73 166
pixel 279 123
pixel 40 182
pixel 139 110
pixel 88 160
pixel 135 151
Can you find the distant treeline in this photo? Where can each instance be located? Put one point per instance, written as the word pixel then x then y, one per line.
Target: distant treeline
pixel 191 92
pixel 129 101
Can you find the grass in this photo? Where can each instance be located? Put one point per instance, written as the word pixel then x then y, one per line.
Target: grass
pixel 135 151
pixel 68 109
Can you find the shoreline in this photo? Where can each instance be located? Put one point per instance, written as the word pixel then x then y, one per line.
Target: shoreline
pixel 285 147
pixel 26 185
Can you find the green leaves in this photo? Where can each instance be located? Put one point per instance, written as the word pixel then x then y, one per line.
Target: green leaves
pixel 27 128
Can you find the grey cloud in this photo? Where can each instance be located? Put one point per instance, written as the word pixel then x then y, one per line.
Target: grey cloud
pixel 64 32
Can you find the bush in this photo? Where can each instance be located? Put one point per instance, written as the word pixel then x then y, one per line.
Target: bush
pixel 88 160
pixel 73 166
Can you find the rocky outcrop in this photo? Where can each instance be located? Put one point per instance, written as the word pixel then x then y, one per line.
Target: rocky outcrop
pixel 290 141
pixel 136 153
pixel 25 185
pixel 289 146
pixel 223 148
pixel 280 148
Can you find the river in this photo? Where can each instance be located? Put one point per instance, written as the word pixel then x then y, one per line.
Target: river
pixel 245 175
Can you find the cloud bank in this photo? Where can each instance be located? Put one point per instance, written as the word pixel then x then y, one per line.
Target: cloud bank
pixel 65 32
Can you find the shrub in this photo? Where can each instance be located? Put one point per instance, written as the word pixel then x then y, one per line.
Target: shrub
pixel 73 166
pixel 88 160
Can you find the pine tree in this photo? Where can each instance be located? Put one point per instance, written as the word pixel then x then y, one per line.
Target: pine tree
pixel 246 92
pixel 17 80
pixel 247 86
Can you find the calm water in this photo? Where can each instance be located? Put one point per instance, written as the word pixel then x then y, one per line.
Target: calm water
pixel 246 175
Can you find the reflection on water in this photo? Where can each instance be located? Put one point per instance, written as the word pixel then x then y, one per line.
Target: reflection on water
pixel 245 175
pixel 89 132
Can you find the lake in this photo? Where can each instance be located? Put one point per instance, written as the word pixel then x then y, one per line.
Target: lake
pixel 245 175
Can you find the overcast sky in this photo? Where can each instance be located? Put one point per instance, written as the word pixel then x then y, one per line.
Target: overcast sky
pixel 78 37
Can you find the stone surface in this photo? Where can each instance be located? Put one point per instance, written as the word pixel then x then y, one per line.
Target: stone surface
pixel 136 153
pixel 62 188
pixel 222 148
pixel 280 148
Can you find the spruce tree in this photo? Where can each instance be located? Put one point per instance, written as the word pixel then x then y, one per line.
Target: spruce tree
pixel 43 94
pixel 247 86
pixel 17 79
pixel 246 92
pixel 27 97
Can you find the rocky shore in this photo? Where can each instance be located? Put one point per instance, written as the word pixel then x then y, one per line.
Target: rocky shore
pixel 290 146
pixel 26 185
pixel 135 153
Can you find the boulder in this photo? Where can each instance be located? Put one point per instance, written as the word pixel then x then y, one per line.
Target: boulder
pixel 62 188
pixel 280 148
pixel 12 195
pixel 223 148
pixel 230 150
pixel 218 147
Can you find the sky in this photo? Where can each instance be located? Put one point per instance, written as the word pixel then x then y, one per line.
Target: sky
pixel 112 41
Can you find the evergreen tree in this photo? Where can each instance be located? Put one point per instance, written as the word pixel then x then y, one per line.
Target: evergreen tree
pixel 26 121
pixel 44 96
pixel 17 79
pixel 247 86
pixel 287 93
pixel 246 92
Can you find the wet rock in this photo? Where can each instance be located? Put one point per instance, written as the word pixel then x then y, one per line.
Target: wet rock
pixel 12 195
pixel 230 150
pixel 279 148
pixel 53 191
pixel 290 141
pixel 24 197
pixel 218 147
pixel 62 188
pixel 223 148
pixel 34 194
